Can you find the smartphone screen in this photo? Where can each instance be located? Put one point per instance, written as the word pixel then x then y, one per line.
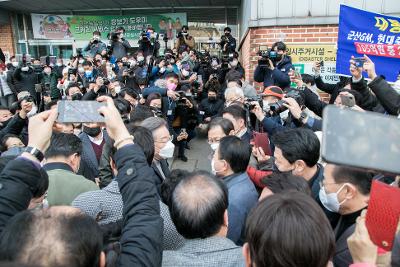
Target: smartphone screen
pixel 70 111
pixel 361 139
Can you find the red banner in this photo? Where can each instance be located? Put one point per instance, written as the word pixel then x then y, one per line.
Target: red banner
pixel 382 50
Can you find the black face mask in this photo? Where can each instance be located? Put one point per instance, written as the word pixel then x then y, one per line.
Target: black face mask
pixel 279 57
pixel 92 132
pixel 77 96
pixel 4 123
pixel 212 98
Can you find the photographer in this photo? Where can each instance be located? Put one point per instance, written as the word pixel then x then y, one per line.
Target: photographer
pixel 228 42
pixel 183 121
pixel 211 106
pixel 49 83
pixel 26 76
pixel 274 115
pixel 148 43
pixel 119 45
pixel 184 41
pixel 7 90
pixel 274 66
pixel 95 45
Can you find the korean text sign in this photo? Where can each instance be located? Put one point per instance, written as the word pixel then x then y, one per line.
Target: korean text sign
pixel 372 34
pixel 81 27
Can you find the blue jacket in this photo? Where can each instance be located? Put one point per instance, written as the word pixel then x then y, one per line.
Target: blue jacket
pixel 279 76
pixel 242 197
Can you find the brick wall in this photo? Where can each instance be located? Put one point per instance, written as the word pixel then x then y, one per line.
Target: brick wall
pixel 7 39
pixel 288 34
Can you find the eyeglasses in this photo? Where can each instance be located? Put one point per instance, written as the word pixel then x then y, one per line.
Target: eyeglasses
pixel 165 140
pixel 216 140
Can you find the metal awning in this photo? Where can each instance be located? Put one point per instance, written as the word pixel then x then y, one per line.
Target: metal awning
pixel 53 6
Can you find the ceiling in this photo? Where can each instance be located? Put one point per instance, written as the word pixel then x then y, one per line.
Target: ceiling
pixel 62 6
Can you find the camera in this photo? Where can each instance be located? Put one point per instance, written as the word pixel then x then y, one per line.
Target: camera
pixel 296 94
pixel 157 112
pixel 224 39
pixel 249 103
pixel 181 100
pixel 226 59
pixel 266 53
pixel 106 81
pixel 126 64
pixel 179 35
pixel 28 98
pixel 72 71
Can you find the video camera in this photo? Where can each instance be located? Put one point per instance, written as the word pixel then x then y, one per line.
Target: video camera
pixel 266 53
pixel 296 94
pixel 179 35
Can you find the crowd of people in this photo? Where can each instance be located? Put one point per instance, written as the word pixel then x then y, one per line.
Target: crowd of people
pixel 103 194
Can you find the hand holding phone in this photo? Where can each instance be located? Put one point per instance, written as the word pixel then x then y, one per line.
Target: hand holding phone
pixel 70 111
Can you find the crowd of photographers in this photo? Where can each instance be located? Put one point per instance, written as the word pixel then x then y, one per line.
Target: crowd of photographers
pixel 103 194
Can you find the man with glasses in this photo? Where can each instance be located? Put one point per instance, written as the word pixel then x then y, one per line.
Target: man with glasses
pixel 163 147
pixel 217 129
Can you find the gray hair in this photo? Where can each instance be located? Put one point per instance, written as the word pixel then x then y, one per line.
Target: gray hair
pixel 153 123
pixel 237 91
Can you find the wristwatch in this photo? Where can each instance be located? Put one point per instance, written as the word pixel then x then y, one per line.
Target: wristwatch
pixel 303 117
pixel 35 152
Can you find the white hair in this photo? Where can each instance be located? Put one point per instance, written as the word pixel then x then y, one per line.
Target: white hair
pixel 236 91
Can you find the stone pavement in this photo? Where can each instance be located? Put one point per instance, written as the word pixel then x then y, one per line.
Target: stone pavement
pixel 199 156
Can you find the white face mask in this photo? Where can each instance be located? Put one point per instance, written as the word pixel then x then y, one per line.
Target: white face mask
pixel 266 105
pixel 213 170
pixel 80 61
pixel 140 58
pixel 25 68
pixel 162 70
pixel 167 151
pixel 48 72
pixel 59 64
pixel 132 63
pixel 81 70
pixel 234 63
pixel 330 201
pixel 117 89
pixel 284 115
pixel 185 73
pixel 15 64
pixel 214 146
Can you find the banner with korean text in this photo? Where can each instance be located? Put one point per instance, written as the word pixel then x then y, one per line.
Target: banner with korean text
pixel 372 34
pixel 46 26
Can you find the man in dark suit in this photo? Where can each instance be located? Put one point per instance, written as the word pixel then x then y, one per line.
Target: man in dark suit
pixel 345 191
pixel 93 140
pixel 163 147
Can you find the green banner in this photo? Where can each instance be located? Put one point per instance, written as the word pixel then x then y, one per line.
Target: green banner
pixel 82 27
